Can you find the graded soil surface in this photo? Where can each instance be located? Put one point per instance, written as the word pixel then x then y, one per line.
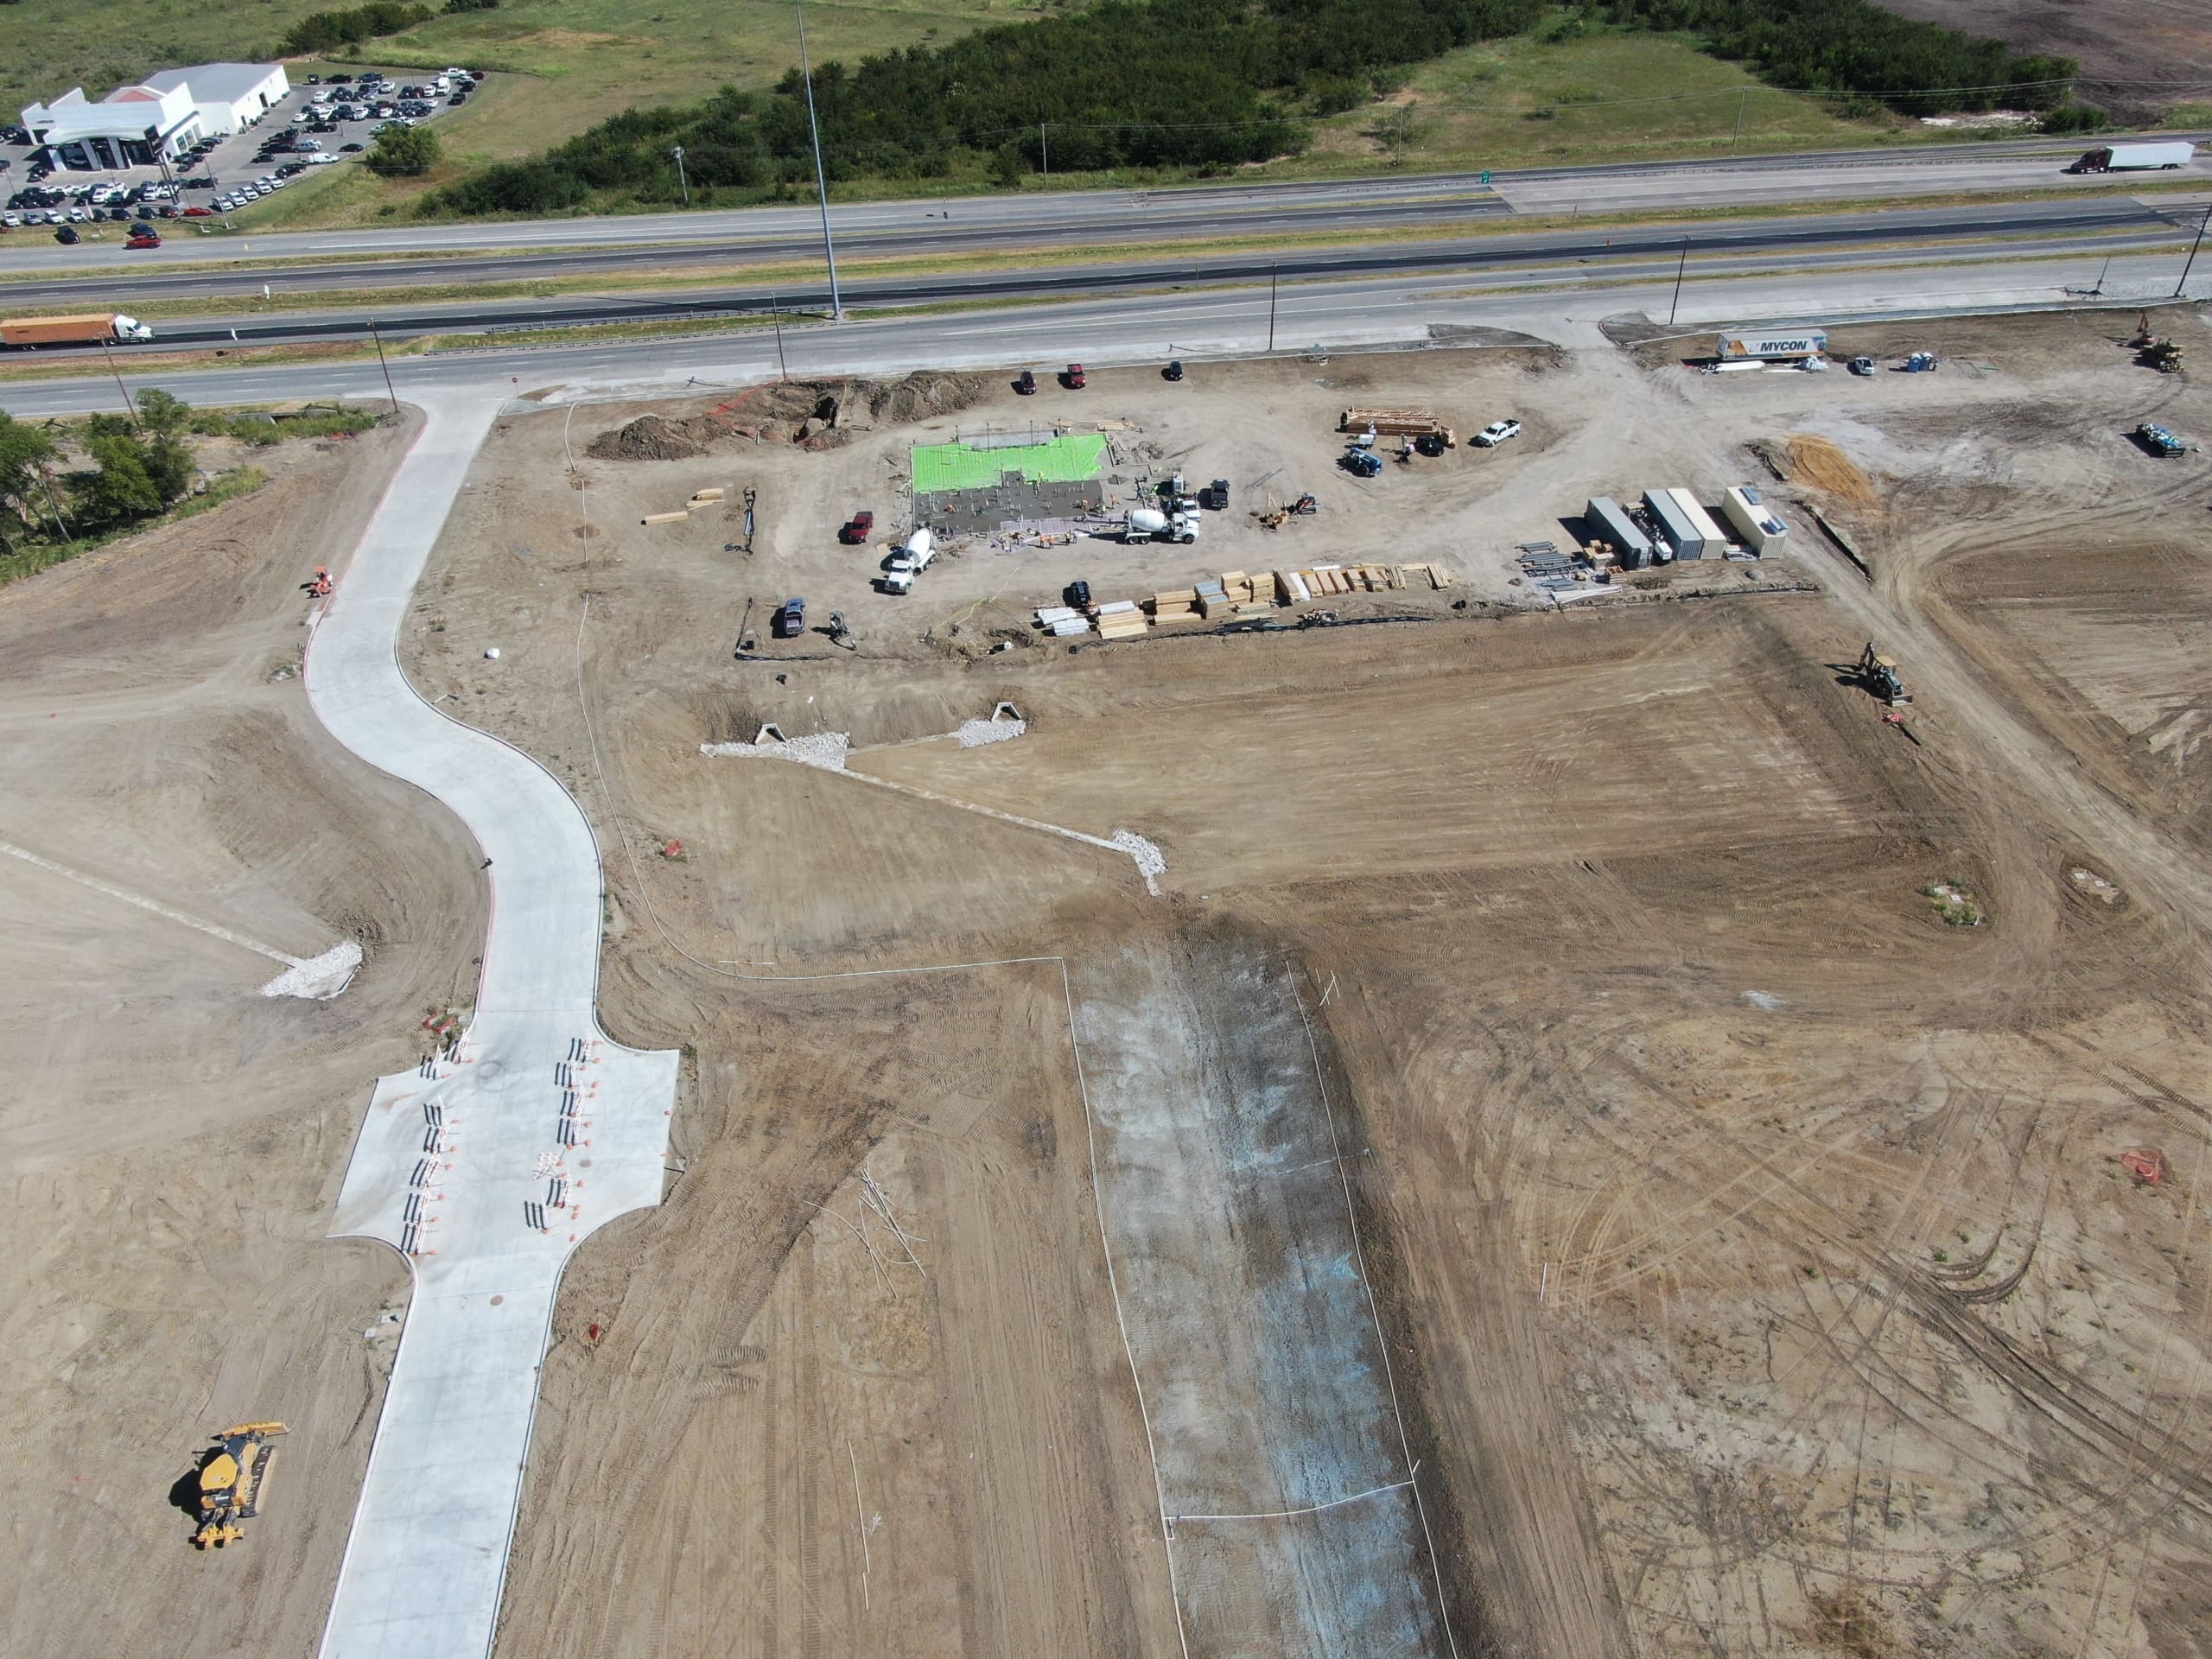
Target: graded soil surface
pixel 1600 1143
pixel 176 1139
pixel 1552 1004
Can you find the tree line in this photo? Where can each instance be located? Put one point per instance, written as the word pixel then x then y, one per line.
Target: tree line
pixel 1858 49
pixel 345 31
pixel 1195 84
pixel 1191 84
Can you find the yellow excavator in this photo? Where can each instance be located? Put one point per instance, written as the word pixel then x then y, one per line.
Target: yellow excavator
pixel 230 1475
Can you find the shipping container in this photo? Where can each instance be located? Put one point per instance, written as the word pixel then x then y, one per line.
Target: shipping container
pixel 1754 520
pixel 1711 538
pixel 1605 520
pixel 1774 345
pixel 1675 530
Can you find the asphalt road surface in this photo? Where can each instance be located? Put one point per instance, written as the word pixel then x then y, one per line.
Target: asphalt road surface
pixel 1396 311
pixel 1092 217
pixel 1909 236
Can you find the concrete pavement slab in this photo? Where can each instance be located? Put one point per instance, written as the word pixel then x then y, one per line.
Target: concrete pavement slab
pixel 487 1165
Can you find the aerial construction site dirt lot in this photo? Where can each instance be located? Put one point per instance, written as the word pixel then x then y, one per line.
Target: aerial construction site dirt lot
pixel 1599 1143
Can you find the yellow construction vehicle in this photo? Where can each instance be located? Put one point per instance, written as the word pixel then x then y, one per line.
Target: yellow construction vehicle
pixel 230 1474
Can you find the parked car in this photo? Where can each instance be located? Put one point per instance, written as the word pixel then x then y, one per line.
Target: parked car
pixel 857 528
pixel 1076 596
pixel 790 620
pixel 67 237
pixel 1174 370
pixel 456 100
pixel 1073 378
pixel 1496 433
pixel 197 211
pixel 348 150
pixel 322 161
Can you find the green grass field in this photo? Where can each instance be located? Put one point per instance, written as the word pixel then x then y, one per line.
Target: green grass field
pixel 584 60
pixel 1604 95
pixel 1551 97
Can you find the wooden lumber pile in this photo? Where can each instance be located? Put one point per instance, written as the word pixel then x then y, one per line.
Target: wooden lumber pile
pixel 1061 622
pixel 702 497
pixel 1180 605
pixel 665 518
pixel 1120 618
pixel 1396 423
pixel 1434 575
pixel 1291 588
pixel 1213 599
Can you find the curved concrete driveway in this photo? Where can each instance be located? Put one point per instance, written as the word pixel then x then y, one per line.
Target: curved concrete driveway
pixel 487 1168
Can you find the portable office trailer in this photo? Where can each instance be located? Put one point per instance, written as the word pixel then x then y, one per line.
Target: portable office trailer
pixel 1753 520
pixel 1675 527
pixel 1714 540
pixel 1604 520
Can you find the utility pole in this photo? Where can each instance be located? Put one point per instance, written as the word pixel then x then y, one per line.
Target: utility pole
pixel 1045 148
pixel 1271 307
pixel 2193 247
pixel 1742 97
pixel 1679 269
pixel 129 407
pixel 776 313
pixel 384 365
pixel 676 150
pixel 821 183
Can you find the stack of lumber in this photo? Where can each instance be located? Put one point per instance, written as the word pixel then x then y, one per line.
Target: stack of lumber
pixel 1395 422
pixel 702 497
pixel 706 498
pixel 1213 599
pixel 1328 580
pixel 1061 622
pixel 1434 575
pixel 1252 607
pixel 1291 588
pixel 1178 605
pixel 1120 618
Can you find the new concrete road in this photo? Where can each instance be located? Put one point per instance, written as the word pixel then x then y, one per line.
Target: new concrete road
pixel 1916 237
pixel 1096 218
pixel 485 1166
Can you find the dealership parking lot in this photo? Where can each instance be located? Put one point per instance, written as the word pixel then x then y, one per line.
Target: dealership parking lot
pixel 315 126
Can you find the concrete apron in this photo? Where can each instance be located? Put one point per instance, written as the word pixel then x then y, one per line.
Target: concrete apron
pixel 485 1168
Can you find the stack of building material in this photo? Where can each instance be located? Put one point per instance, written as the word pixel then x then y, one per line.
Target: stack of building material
pixel 1213 599
pixel 1252 607
pixel 1291 588
pixel 1396 423
pixel 1181 605
pixel 1433 575
pixel 665 518
pixel 704 498
pixel 1120 618
pixel 1061 622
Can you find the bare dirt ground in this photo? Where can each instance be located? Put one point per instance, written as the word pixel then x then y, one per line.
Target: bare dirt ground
pixel 174 1138
pixel 1542 1178
pixel 2139 58
pixel 1748 1245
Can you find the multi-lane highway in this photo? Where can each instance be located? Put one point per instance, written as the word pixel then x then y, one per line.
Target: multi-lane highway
pixel 1150 327
pixel 1915 236
pixel 1099 218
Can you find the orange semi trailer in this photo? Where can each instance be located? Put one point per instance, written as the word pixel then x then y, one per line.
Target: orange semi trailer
pixel 24 334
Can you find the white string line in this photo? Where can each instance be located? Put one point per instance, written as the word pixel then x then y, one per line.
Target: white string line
pixel 159 909
pixel 1381 1343
pixel 1067 998
pixel 1310 1508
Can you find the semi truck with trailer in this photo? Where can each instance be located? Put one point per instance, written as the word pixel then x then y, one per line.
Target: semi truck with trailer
pixel 2137 158
pixel 92 328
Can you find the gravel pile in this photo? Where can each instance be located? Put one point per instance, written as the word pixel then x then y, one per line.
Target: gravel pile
pixel 825 749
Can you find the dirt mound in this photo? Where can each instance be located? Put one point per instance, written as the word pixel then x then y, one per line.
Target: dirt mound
pixel 818 414
pixel 1819 462
pixel 653 437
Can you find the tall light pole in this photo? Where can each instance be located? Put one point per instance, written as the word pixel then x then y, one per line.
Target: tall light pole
pixel 385 366
pixel 676 150
pixel 2193 247
pixel 1271 307
pixel 821 183
pixel 1679 269
pixel 776 312
pixel 129 407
